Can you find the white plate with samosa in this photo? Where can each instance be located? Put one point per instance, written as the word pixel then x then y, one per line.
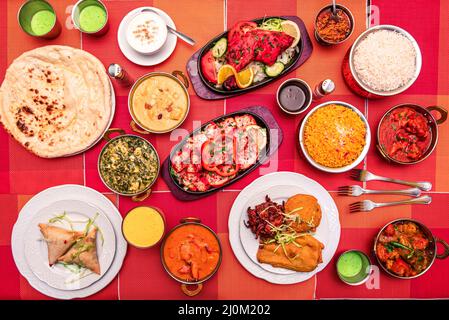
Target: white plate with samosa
pixel 70 244
pixel 27 219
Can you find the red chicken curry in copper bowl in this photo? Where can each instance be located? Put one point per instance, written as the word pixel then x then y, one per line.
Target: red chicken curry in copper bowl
pixel 406 248
pixel 408 133
pixel 191 254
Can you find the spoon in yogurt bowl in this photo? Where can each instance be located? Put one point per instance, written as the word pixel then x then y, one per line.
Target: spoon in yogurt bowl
pixel 180 35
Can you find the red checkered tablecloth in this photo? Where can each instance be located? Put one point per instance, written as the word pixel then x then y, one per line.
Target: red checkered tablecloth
pixel 142 277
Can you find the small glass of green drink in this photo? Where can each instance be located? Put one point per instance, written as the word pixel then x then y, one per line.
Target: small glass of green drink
pixel 38 19
pixel 90 17
pixel 354 267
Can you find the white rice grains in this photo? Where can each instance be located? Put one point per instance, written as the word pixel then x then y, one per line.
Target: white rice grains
pixel 385 60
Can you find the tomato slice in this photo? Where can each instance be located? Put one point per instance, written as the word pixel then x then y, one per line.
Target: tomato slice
pixel 217 151
pixel 389 231
pixel 215 180
pixel 208 67
pixel 239 29
pixel 208 157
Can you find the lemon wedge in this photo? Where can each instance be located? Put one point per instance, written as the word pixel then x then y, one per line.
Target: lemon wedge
pixel 291 28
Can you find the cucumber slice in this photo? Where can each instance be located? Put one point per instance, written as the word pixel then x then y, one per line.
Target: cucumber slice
pixel 275 69
pixel 219 49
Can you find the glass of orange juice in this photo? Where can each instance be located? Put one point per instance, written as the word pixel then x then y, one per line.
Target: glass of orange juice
pixel 143 227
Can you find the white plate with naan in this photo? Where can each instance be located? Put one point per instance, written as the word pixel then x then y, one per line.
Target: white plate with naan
pixel 280 186
pixel 76 217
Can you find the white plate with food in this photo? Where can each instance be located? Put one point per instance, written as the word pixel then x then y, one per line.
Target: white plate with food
pixel 136 53
pixel 43 200
pixel 316 233
pixel 70 244
pixel 56 101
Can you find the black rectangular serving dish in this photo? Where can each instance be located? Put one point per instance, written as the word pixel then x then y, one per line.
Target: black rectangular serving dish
pixel 262 83
pixel 261 159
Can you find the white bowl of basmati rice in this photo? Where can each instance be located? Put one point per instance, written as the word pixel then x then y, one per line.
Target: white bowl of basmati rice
pixel 384 60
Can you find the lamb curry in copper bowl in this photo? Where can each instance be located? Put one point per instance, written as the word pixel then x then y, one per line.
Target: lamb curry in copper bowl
pixel 406 248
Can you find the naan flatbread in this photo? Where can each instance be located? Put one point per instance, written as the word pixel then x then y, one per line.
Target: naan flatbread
pixel 55 100
pixel 58 240
pixel 84 252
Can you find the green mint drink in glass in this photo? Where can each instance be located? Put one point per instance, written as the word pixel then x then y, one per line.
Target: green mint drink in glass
pixel 42 22
pixel 38 18
pixel 91 17
pixel 354 267
pixel 350 264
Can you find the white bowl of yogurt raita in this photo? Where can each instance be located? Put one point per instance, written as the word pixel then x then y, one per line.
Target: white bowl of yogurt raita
pixel 146 32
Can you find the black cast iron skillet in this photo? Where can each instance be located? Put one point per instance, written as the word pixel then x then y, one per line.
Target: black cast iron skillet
pixel 261 159
pixel 262 83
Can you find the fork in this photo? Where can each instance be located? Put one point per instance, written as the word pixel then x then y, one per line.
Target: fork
pixel 364 175
pixel 368 205
pixel 356 191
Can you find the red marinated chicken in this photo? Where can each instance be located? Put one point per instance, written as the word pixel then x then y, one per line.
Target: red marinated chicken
pixel 247 44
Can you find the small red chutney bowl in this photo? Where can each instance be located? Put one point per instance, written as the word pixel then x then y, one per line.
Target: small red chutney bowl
pixel 408 133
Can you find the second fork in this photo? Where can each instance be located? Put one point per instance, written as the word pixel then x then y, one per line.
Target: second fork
pixel 368 205
pixel 356 191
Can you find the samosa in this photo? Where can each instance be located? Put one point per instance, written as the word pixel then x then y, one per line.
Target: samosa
pixel 58 240
pixel 84 252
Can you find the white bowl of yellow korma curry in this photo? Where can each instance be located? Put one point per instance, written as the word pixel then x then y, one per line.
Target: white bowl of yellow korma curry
pixel 335 137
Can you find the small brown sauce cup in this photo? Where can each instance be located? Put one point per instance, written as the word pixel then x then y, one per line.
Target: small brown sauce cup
pixel 294 96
